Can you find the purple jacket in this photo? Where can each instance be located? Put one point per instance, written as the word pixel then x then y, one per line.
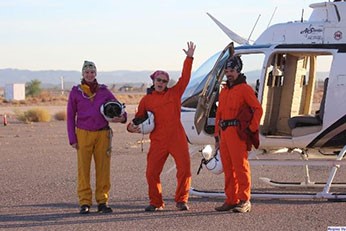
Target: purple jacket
pixel 84 113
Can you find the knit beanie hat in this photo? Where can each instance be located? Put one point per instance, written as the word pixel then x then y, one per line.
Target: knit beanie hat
pixel 234 62
pixel 88 65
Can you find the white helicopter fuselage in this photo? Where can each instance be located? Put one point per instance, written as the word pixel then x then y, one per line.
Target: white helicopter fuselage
pixel 290 72
pixel 298 72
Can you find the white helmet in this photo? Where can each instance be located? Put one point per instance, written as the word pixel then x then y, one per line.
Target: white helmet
pixel 214 164
pixel 148 123
pixel 112 109
pixel 207 152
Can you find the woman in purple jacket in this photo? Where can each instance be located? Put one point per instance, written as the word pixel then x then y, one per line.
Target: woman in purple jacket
pixel 89 133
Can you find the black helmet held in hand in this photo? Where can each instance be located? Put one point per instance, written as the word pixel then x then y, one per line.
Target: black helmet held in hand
pixel 112 109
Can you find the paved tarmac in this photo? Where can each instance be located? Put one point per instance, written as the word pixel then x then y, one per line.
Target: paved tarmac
pixel 38 189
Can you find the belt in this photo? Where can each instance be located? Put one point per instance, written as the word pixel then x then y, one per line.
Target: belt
pixel 226 123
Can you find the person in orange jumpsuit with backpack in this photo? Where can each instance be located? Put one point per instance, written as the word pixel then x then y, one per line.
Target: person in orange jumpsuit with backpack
pixel 168 136
pixel 236 130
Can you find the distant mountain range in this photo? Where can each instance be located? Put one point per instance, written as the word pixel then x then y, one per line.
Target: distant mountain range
pixel 53 77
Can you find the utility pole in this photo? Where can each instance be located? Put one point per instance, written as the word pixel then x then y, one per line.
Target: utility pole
pixel 62 85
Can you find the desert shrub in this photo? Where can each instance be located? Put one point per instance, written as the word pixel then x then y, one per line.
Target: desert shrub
pixel 34 115
pixel 61 115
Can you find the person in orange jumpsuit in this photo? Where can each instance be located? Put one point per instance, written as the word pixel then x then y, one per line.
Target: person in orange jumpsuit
pixel 233 149
pixel 168 136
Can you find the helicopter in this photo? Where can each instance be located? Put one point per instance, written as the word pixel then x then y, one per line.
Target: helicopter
pixel 299 77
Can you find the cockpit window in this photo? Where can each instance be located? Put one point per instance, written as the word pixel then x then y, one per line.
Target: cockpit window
pixel 199 77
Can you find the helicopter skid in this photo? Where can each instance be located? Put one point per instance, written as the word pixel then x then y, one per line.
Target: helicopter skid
pixel 282 184
pixel 262 195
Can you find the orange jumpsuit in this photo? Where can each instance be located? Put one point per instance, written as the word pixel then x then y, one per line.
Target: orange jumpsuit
pixel 233 150
pixel 168 137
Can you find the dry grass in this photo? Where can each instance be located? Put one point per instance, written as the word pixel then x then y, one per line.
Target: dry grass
pixel 48 99
pixel 34 115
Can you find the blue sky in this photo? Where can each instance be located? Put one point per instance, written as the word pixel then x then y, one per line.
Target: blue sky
pixel 127 35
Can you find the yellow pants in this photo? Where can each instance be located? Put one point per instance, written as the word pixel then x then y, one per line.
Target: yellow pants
pixel 93 143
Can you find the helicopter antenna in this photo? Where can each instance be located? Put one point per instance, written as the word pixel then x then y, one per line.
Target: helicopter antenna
pixel 270 21
pixel 253 27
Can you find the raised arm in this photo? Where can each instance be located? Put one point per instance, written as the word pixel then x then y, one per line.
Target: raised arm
pixel 187 66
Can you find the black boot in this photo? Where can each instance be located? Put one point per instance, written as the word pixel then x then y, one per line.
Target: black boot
pixel 104 208
pixel 84 209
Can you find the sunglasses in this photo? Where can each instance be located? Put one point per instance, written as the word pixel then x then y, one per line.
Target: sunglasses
pixel 161 80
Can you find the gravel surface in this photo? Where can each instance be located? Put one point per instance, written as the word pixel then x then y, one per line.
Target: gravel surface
pixel 38 189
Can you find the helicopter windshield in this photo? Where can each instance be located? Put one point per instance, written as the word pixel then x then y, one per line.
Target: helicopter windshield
pixel 199 77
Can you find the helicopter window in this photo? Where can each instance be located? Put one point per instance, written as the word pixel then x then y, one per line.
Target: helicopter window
pixel 200 76
pixel 197 81
pixel 252 67
pixel 218 73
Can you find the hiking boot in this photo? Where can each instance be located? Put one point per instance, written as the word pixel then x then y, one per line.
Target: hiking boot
pixel 104 208
pixel 225 207
pixel 242 207
pixel 182 206
pixel 84 209
pixel 153 208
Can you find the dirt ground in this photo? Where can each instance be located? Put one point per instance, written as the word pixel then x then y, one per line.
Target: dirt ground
pixel 38 188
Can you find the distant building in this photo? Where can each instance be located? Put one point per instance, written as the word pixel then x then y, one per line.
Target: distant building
pixel 15 91
pixel 126 88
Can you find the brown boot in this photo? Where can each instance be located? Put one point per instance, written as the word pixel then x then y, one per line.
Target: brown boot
pixel 153 208
pixel 225 207
pixel 182 206
pixel 242 207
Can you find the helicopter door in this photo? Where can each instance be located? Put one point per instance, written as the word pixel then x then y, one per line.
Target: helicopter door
pixel 211 88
